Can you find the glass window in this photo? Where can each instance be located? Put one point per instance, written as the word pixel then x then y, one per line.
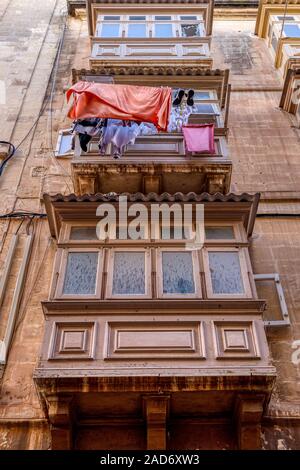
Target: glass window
pixel 81 273
pixel 219 233
pixel 129 273
pixel 225 272
pixel 137 18
pixel 163 18
pixel 292 30
pixel 174 233
pixel 202 95
pixel 137 30
pixel 188 18
pixel 163 30
pixel 111 18
pixel 83 233
pixel 190 30
pixel 177 270
pixel 205 108
pixel 65 144
pixel 287 18
pixel 110 30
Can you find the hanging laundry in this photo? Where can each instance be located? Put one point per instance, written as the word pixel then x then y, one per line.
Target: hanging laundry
pixel 119 134
pixel 179 117
pixel 86 129
pixel 124 135
pixel 199 138
pixel 136 103
pixel 146 128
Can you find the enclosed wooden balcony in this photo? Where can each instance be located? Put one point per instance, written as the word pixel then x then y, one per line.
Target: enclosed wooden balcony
pixel 157 163
pixel 154 351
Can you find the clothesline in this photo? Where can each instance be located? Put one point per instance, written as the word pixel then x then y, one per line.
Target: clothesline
pixel 118 114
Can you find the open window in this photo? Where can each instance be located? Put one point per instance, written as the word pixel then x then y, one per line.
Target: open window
pixel 64 143
pixel 269 288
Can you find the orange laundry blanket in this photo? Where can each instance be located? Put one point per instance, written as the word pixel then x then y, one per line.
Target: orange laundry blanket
pixel 135 103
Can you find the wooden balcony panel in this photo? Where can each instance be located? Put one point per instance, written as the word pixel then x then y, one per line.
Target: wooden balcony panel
pixel 154 51
pixel 156 163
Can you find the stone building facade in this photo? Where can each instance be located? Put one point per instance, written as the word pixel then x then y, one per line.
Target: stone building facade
pixel 223 367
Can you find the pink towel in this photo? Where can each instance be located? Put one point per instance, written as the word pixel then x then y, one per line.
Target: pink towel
pixel 199 138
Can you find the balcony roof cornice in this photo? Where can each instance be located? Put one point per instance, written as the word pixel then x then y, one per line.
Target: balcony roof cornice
pixel 65 207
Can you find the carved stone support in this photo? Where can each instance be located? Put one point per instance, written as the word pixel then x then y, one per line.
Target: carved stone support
pixel 87 184
pixel 248 415
pixel 61 421
pixel 151 184
pixel 156 411
pixel 215 183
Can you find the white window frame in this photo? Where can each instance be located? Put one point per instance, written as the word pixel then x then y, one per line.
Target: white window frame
pixel 61 135
pixel 285 320
pixel 63 269
pixel 110 266
pixel 244 273
pixel 196 274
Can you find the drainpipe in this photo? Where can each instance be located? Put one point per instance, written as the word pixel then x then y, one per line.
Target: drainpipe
pixel 6 342
pixel 7 267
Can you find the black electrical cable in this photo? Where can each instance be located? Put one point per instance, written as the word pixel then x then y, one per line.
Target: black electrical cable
pixel 20 214
pixel 274 215
pixel 11 152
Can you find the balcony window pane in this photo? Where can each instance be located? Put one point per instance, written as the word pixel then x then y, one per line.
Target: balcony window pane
pixel 287 18
pixel 136 30
pixel 292 30
pixel 163 30
pixel 111 18
pixel 202 95
pixel 81 273
pixel 219 233
pixel 174 233
pixel 137 18
pixel 110 30
pixel 83 233
pixel 205 108
pixel 129 273
pixel 178 275
pixel 225 271
pixel 190 30
pixel 65 145
pixel 188 18
pixel 163 18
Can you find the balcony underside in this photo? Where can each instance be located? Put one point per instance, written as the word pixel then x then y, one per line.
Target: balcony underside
pixel 153 407
pixel 104 175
